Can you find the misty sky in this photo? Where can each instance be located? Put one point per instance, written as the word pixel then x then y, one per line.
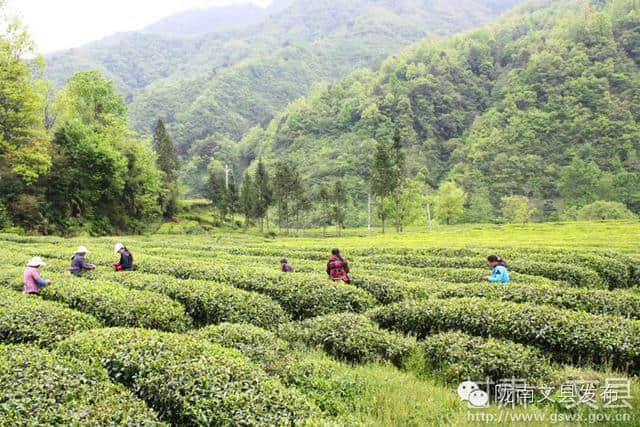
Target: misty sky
pixel 63 24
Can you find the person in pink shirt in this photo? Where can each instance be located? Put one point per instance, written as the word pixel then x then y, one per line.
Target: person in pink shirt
pixel 32 280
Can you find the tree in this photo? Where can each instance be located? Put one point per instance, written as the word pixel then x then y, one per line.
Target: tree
pixel 93 100
pixel 517 209
pixel 382 177
pixel 230 199
pixel 480 209
pixel 338 205
pixel 324 199
pixel 216 188
pixel 579 182
pixel 301 201
pixel 263 194
pixel 169 164
pixel 410 204
pixel 601 210
pixel 24 146
pixel 449 203
pixel 248 198
pixel 104 176
pixel 398 162
pixel 284 183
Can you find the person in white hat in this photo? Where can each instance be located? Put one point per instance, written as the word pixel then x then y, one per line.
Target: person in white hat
pixel 79 263
pixel 126 259
pixel 32 281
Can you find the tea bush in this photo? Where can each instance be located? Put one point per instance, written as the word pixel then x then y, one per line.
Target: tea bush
pixel 617 303
pixel 330 386
pixel 349 337
pixel 456 356
pixel 300 296
pixel 38 387
pixel 573 337
pixel 211 303
pixel 28 319
pixel 575 275
pixel 115 305
pixel 189 381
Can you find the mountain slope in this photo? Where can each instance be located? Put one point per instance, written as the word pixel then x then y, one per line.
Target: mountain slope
pixel 512 108
pixel 226 82
pixel 202 21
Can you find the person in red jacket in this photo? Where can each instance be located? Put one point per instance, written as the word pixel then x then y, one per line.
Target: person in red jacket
pixel 338 267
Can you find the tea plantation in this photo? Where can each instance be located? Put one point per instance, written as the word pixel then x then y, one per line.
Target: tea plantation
pixel 208 331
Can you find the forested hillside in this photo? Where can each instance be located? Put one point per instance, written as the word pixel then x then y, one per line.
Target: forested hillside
pixel 543 104
pixel 225 82
pixel 201 21
pixel 70 163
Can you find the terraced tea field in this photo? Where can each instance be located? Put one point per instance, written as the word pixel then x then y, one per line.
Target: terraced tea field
pixel 208 331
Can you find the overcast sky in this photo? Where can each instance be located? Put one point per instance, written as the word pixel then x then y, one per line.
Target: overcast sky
pixel 63 24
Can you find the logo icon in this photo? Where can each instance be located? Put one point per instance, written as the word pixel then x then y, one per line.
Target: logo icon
pixel 470 392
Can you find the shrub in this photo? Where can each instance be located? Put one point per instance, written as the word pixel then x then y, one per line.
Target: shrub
pixel 601 210
pixel 456 356
pixel 457 269
pixel 42 388
pixel 11 278
pixel 613 270
pixel 189 381
pixel 5 218
pixel 385 291
pixel 211 303
pixel 592 301
pixel 28 319
pixel 301 296
pixel 256 343
pixel 331 386
pixel 349 337
pixel 572 274
pixel 115 305
pixel 517 209
pixel 569 336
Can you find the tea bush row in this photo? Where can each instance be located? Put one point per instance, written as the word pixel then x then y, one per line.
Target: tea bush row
pixel 350 337
pixel 456 356
pixel 575 275
pixel 115 305
pixel 595 301
pixel 332 387
pixel 28 319
pixel 38 387
pixel 188 381
pixel 574 337
pixel 301 296
pixel 209 302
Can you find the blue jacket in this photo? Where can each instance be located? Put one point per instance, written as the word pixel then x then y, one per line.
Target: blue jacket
pixel 499 275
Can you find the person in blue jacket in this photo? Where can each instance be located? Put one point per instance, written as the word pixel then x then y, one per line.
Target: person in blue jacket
pixel 500 272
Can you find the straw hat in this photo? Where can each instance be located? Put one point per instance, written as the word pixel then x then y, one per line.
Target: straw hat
pixel 83 250
pixel 36 262
pixel 118 247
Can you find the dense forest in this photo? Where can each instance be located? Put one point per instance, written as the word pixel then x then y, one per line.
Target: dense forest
pixel 222 83
pixel 69 163
pixel 533 117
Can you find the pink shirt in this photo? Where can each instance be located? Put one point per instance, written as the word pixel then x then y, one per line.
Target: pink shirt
pixel 31 278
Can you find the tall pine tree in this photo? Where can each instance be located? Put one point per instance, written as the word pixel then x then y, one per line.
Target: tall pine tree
pixel 339 205
pixel 169 164
pixel 248 199
pixel 382 177
pixel 263 194
pixel 399 176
